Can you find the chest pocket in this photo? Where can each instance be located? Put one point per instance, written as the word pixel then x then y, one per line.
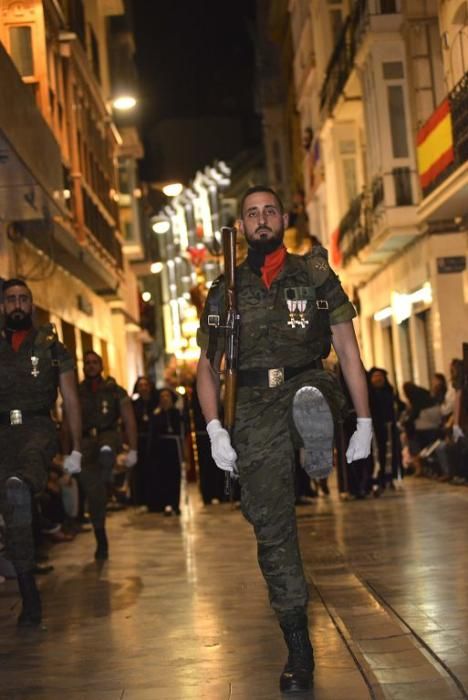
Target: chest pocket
pixel 301 318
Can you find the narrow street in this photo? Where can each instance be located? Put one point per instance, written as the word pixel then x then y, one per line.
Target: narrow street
pixel 180 611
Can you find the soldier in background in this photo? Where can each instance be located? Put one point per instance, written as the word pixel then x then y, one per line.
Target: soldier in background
pixel 291 309
pixel 104 405
pixel 33 364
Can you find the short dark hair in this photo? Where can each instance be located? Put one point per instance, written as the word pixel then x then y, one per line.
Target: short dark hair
pixel 15 282
pixel 93 352
pixel 259 188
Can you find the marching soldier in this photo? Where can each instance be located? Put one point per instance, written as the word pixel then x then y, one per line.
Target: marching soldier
pixel 291 309
pixel 104 405
pixel 33 364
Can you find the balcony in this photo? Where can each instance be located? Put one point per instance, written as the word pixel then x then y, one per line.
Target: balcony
pixel 443 158
pixel 379 222
pixel 31 180
pixel 366 16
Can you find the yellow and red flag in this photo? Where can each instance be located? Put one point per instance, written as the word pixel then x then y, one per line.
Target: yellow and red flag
pixel 435 144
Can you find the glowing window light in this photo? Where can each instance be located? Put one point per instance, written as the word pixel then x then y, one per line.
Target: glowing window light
pixel 161 226
pixel 383 314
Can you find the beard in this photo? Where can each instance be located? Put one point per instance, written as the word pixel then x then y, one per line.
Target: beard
pixel 266 245
pixel 18 321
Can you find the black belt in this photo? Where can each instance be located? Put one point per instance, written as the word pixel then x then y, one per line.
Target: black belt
pixel 259 376
pixel 17 416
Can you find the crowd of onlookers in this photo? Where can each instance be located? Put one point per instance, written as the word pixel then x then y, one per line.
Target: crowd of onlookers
pixel 421 433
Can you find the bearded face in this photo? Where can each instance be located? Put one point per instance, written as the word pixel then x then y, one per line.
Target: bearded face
pixel 262 222
pixel 18 308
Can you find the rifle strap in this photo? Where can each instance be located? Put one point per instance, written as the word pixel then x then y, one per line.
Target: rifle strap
pixel 214 318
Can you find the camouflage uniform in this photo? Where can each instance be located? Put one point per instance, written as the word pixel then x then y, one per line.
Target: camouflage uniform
pixel 264 436
pixel 101 426
pixel 26 450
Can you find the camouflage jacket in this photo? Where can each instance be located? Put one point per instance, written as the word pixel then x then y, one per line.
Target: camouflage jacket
pixel 267 336
pixel 29 377
pixel 100 408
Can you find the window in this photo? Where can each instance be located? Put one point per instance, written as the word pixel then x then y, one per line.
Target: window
pixel 396 106
pixel 348 159
pixel 22 50
pixel 388 7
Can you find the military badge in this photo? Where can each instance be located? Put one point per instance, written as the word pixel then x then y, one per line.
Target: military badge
pixel 34 363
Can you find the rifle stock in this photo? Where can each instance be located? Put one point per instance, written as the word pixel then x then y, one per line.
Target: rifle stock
pixel 231 335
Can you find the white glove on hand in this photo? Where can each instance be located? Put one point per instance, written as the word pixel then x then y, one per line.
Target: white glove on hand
pixel 131 458
pixel 221 448
pixel 457 433
pixel 72 463
pixel 360 444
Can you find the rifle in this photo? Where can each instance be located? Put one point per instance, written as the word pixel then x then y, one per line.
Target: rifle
pixel 231 346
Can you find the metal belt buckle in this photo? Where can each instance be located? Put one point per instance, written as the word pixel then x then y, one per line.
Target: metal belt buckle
pixel 322 304
pixel 275 377
pixel 16 417
pixel 93 432
pixel 213 320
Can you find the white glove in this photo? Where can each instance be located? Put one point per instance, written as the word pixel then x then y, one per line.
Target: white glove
pixel 221 448
pixel 72 463
pixel 131 458
pixel 457 433
pixel 360 444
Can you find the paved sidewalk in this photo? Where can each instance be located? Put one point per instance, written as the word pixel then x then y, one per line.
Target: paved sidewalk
pixel 180 611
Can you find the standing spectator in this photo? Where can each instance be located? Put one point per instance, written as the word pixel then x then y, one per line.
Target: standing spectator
pixel 143 406
pixel 164 456
pixel 211 479
pixel 385 406
pixel 103 405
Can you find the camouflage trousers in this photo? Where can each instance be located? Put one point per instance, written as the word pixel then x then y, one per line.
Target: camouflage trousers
pixel 265 439
pixel 26 451
pixel 95 477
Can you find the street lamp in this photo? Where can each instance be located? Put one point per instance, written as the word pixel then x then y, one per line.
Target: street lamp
pixel 123 103
pixel 173 189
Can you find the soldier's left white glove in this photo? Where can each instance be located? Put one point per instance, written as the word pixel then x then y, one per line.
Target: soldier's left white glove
pixel 72 463
pixel 360 444
pixel 131 458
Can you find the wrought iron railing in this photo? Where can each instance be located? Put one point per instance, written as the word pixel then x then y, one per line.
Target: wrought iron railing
pixel 341 61
pixel 458 104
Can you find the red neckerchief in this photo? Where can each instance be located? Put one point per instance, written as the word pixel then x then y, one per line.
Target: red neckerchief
pixel 273 265
pixel 95 383
pixel 17 338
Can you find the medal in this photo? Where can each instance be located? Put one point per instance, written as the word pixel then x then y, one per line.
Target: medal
pixel 104 407
pixel 292 305
pixel 301 307
pixel 35 363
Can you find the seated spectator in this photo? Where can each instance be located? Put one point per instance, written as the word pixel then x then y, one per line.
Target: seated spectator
pixel 421 422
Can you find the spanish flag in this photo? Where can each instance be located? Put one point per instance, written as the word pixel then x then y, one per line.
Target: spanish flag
pixel 435 144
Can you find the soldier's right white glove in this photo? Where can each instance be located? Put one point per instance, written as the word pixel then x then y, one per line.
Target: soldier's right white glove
pixel 72 463
pixel 457 433
pixel 221 449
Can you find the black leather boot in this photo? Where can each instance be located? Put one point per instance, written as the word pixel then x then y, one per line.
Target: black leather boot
pixel 298 674
pixel 31 614
pixel 102 550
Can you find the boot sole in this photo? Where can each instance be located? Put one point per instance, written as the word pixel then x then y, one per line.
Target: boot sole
pixel 314 422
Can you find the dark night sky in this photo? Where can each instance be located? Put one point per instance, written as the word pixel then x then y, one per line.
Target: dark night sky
pixel 195 58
